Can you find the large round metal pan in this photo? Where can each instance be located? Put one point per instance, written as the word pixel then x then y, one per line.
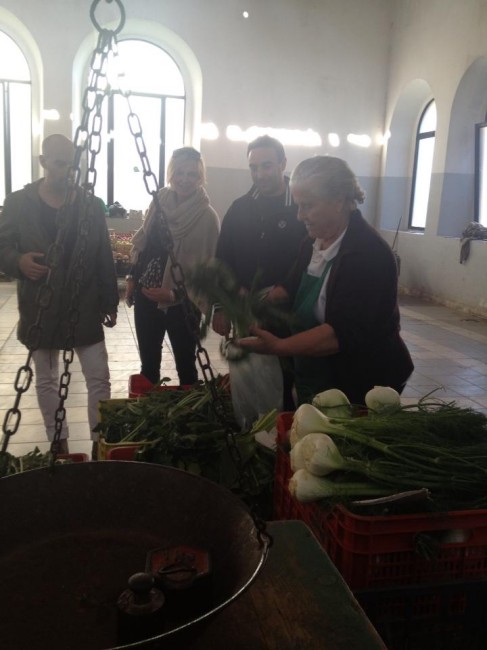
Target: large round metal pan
pixel 71 536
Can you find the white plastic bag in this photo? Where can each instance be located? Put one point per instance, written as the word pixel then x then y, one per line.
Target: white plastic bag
pixel 256 387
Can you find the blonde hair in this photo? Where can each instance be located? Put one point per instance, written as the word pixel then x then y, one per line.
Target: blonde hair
pixel 180 156
pixel 329 178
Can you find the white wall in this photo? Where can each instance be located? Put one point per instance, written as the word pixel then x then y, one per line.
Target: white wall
pixel 328 65
pixel 441 43
pixel 295 64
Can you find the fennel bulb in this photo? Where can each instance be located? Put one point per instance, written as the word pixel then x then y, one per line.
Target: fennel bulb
pixel 320 455
pixel 383 399
pixel 333 403
pixel 307 419
pixel 296 457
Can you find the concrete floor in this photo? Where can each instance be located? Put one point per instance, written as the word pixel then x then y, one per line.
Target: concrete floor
pixel 449 350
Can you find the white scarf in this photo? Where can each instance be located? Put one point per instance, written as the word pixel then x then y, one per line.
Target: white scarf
pixel 193 225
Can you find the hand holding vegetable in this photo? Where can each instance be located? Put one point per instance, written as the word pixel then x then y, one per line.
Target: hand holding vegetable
pixel 220 324
pixel 277 294
pixel 260 341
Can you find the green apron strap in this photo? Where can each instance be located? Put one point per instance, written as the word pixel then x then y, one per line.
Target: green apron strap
pixel 306 298
pixel 311 374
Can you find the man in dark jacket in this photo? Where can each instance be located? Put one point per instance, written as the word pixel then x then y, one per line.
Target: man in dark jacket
pixel 260 234
pixel 28 227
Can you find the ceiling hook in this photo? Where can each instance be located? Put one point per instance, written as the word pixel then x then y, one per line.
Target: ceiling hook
pixel 96 23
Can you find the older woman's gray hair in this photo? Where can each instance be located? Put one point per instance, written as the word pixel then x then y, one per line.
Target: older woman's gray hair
pixel 328 178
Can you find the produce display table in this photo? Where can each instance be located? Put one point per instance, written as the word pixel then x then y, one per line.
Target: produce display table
pixel 298 602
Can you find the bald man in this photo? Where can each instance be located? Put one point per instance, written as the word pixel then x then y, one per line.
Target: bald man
pixel 28 227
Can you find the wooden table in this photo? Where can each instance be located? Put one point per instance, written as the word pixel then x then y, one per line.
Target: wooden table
pixel 298 602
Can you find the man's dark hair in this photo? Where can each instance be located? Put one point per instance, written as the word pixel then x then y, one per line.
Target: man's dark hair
pixel 266 141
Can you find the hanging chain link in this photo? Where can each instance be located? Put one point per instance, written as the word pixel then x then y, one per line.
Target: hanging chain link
pixel 244 477
pixel 89 141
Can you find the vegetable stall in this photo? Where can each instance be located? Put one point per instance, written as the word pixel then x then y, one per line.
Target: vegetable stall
pixel 396 495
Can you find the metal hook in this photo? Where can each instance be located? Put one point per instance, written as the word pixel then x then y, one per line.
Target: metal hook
pixel 97 24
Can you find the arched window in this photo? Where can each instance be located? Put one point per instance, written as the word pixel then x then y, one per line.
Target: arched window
pixel 481 172
pixel 157 97
pixel 423 164
pixel 15 118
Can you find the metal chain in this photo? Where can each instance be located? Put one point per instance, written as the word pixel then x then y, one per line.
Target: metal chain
pixel 177 274
pixel 84 141
pixel 90 141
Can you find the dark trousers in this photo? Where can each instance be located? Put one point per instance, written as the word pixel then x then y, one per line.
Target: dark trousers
pixel 151 325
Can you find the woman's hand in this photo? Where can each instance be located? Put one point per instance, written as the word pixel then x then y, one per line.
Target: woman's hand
pixel 277 294
pixel 260 341
pixel 160 295
pixel 220 324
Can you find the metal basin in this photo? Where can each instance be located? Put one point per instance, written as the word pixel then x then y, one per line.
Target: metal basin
pixel 71 537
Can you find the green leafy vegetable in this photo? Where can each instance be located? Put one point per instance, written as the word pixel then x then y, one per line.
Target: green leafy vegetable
pixel 35 459
pixel 216 284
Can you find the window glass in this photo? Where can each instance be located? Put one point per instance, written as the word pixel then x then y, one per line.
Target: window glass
pixel 423 165
pixel 129 187
pixel 157 97
pixel 174 127
pixel 149 69
pixel 481 173
pixel 15 118
pixel 428 121
pixel 20 134
pixel 13 65
pixel 3 191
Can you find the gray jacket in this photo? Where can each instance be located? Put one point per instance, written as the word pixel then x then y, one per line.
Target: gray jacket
pixel 22 231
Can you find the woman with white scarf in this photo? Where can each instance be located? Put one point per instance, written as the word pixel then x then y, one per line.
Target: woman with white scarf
pixel 194 226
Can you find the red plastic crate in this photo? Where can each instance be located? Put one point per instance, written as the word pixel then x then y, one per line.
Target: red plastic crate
pixel 127 452
pixel 140 385
pixel 75 458
pixel 381 551
pixel 372 551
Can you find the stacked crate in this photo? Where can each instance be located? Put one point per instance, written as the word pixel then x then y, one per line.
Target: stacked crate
pixel 406 595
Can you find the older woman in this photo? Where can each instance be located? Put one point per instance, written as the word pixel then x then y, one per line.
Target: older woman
pixel 194 226
pixel 344 292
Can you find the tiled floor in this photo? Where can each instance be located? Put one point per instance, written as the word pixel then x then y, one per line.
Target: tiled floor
pixel 123 359
pixel 449 350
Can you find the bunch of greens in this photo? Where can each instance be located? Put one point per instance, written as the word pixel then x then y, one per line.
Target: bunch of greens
pixel 164 414
pixel 216 285
pixel 180 428
pixel 33 460
pixel 433 444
